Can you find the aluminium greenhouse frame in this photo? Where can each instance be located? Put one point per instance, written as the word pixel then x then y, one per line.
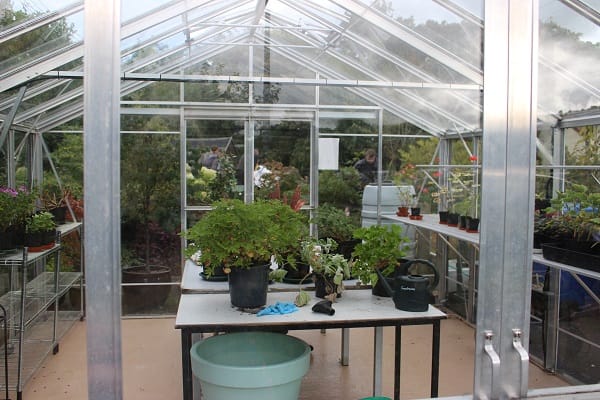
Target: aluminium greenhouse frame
pixel 509 121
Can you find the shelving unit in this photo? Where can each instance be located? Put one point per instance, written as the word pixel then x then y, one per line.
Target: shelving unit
pixel 34 319
pixel 548 326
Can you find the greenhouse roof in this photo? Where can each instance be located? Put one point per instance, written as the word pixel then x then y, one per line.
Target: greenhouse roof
pixel 420 61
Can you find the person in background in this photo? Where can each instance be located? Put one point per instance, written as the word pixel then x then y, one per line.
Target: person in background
pixel 211 159
pixel 367 167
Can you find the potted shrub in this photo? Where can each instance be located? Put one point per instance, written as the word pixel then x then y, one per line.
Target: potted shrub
pixel 242 238
pixel 329 269
pixel 382 248
pixel 40 231
pixel 56 204
pixel 332 222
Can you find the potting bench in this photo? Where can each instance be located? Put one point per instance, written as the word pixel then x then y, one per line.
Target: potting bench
pixel 210 313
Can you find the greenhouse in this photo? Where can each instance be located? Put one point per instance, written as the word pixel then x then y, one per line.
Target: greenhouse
pixel 404 195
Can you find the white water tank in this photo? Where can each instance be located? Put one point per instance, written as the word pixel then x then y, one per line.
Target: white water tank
pixel 390 200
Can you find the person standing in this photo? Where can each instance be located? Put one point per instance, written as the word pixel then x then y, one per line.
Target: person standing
pixel 367 167
pixel 211 159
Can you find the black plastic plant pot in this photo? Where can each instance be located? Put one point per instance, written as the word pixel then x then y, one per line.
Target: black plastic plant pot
pixel 472 225
pixel 462 222
pixel 443 217
pixel 324 287
pixel 248 286
pixel 453 219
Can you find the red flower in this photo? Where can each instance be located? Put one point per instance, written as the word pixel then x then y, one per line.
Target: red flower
pixel 473 158
pixel 436 174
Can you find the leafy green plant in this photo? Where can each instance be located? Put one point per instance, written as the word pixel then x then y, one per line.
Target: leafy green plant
pixel 381 248
pixel 239 235
pixel 320 254
pixel 332 222
pixel 40 222
pixel 573 214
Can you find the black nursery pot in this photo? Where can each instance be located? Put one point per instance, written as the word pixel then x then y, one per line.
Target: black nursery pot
pixel 443 217
pixel 472 225
pixel 415 210
pixel 248 286
pixel 324 286
pixel 462 222
pixel 453 219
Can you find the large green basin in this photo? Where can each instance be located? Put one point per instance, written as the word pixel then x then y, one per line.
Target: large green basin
pixel 250 366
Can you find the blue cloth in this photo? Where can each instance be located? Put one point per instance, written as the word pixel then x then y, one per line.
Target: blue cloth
pixel 278 308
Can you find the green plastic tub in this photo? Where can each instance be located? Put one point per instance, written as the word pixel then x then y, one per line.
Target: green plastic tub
pixel 250 366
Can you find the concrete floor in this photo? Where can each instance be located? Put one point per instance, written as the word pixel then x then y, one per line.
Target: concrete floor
pixel 152 364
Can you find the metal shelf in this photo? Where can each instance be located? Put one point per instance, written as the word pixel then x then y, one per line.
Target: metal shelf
pixel 34 321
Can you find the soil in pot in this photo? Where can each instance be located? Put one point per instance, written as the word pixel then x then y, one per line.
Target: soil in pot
pixel 248 286
pixel 149 296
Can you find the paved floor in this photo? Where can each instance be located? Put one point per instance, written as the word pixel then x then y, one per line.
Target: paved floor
pixel 152 364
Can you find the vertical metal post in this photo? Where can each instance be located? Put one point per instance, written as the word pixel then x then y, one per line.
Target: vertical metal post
pixel 508 177
pixel 102 64
pixel 378 358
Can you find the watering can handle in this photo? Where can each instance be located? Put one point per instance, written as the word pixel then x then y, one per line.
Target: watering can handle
pixel 436 276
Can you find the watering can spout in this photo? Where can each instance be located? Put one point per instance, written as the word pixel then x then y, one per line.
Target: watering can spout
pixel 385 283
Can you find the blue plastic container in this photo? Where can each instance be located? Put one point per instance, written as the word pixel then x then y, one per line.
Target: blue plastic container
pixel 250 366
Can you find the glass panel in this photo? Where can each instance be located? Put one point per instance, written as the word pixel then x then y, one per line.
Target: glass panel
pixel 455 36
pixel 460 295
pixel 235 92
pixel 40 42
pixel 214 161
pixel 579 329
pixel 282 151
pixel 36 8
pixel 150 220
pixel 131 9
pixel 569 53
